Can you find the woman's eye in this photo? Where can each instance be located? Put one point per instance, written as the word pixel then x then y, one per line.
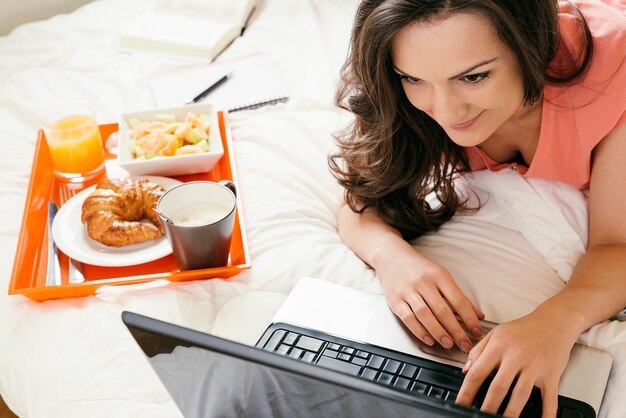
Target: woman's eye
pixel 410 80
pixel 475 78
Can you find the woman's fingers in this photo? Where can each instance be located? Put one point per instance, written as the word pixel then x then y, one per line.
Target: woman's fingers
pixel 418 316
pixel 467 312
pixel 407 316
pixel 519 396
pixel 480 314
pixel 476 369
pixel 434 314
pixel 549 400
pixel 433 298
pixel 456 330
pixel 498 388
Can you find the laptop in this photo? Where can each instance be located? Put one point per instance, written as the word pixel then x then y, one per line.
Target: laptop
pixel 333 351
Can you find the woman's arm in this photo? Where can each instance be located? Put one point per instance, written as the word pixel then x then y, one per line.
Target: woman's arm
pixel 602 275
pixel 535 348
pixel 420 292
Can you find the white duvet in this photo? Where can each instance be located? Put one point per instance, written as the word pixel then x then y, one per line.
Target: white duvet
pixel 74 357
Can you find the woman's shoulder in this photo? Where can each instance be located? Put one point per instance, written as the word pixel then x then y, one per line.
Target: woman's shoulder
pixel 606 74
pixel 600 14
pixel 618 5
pixel 607 23
pixel 584 111
pixel 606 20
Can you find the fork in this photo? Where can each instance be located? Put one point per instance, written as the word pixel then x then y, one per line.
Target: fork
pixel 75 274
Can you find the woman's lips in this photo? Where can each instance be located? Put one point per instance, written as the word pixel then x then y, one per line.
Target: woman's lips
pixel 467 124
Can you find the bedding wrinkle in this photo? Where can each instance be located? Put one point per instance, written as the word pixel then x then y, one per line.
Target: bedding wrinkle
pixel 551 215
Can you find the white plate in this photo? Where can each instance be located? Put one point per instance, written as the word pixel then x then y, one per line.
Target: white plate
pixel 71 237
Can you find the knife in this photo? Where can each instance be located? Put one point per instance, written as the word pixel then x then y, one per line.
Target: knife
pixel 75 271
pixel 53 277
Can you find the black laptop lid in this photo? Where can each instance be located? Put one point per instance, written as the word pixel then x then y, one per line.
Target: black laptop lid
pixel 211 377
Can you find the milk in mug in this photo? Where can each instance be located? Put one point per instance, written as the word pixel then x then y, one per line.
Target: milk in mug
pixel 199 214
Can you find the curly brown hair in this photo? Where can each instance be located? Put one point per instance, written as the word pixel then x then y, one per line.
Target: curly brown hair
pixel 393 158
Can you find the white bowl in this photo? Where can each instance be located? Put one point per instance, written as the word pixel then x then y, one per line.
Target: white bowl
pixel 174 165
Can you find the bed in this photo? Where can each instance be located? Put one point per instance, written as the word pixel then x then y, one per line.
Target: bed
pixel 74 358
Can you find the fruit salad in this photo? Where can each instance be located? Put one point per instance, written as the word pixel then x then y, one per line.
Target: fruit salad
pixel 168 136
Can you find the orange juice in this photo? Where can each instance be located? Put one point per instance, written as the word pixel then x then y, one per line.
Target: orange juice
pixel 75 145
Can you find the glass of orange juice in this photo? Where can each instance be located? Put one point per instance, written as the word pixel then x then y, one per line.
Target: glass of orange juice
pixel 74 142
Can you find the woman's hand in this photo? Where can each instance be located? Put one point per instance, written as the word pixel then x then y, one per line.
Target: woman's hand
pixel 425 297
pixel 534 349
pixel 421 293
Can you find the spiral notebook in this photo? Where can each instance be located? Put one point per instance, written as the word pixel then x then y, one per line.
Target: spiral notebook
pixel 253 83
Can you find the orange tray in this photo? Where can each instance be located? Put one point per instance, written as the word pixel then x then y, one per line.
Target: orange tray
pixel 31 256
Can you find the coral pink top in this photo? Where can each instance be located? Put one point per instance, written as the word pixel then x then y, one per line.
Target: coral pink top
pixel 577 117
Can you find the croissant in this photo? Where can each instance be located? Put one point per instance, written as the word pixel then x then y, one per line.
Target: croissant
pixel 112 213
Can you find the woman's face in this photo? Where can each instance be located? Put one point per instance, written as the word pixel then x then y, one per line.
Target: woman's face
pixel 458 71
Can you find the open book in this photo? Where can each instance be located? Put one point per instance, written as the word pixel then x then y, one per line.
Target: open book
pixel 198 29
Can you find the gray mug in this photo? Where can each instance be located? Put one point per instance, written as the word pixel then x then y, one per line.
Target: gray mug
pixel 198 218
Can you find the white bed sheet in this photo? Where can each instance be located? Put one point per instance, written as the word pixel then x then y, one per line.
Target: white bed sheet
pixel 74 358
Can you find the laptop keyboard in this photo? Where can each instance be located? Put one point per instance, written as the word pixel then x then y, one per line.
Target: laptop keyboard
pixel 403 372
pixel 367 365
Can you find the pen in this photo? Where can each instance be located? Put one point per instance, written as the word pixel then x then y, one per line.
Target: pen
pixel 211 88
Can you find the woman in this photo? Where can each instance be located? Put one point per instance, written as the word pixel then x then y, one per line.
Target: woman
pixel 440 88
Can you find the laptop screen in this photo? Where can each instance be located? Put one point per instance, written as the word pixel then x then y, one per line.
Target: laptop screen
pixel 211 377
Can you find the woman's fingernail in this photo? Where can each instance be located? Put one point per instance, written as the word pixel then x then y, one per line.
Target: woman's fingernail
pixel 477 332
pixel 467 365
pixel 428 340
pixel 465 346
pixel 446 342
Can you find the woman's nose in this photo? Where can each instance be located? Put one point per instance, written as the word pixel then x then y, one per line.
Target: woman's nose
pixel 446 107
